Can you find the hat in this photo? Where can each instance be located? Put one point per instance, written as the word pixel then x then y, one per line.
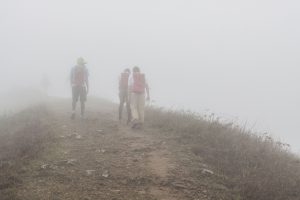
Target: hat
pixel 81 61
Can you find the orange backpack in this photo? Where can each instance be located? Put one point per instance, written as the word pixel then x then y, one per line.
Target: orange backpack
pixel 123 83
pixel 139 82
pixel 79 76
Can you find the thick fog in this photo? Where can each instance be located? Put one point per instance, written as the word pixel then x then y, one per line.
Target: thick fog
pixel 237 59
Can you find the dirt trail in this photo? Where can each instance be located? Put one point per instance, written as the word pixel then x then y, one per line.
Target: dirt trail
pixel 97 158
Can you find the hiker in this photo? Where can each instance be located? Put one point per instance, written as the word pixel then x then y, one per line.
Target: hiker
pixel 123 94
pixel 80 86
pixel 137 86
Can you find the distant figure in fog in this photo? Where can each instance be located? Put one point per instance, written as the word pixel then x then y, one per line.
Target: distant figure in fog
pixel 137 86
pixel 124 94
pixel 80 86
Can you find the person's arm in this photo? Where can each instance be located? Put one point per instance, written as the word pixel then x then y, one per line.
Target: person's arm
pixel 87 81
pixel 71 76
pixel 147 91
pixel 87 86
pixel 130 83
pixel 119 82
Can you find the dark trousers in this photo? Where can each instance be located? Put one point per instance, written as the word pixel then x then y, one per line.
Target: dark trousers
pixel 123 95
pixel 79 92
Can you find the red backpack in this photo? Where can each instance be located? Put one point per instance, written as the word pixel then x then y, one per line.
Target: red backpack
pixel 123 84
pixel 139 82
pixel 79 76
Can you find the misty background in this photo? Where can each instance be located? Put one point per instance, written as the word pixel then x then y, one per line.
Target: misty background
pixel 237 59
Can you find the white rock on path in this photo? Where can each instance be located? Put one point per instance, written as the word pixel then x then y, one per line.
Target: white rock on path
pixel 207 171
pixel 90 172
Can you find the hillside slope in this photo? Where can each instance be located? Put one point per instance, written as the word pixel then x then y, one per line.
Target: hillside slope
pixel 177 156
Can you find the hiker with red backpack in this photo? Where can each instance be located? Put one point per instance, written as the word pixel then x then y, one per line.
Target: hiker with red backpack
pixel 138 85
pixel 124 94
pixel 80 86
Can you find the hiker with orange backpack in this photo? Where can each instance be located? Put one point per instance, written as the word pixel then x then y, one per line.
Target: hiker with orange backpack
pixel 138 85
pixel 80 86
pixel 124 94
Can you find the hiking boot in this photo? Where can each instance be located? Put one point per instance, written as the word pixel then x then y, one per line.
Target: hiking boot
pixel 133 126
pixel 134 123
pixel 139 125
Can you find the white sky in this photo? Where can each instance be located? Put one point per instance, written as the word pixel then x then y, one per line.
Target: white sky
pixel 236 58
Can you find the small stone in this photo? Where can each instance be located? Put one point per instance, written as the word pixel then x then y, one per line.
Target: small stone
pixel 100 150
pixel 90 172
pixel 44 166
pixel 78 137
pixel 71 161
pixel 105 174
pixel 103 150
pixel 207 171
pixel 179 185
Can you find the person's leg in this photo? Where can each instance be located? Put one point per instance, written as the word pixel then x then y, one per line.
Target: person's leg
pixel 129 116
pixel 74 105
pixel 83 97
pixel 127 101
pixel 121 106
pixel 82 108
pixel 138 107
pixel 134 108
pixel 75 95
pixel 73 109
pixel 141 108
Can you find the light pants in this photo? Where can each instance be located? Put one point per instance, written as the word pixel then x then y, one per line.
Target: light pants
pixel 137 105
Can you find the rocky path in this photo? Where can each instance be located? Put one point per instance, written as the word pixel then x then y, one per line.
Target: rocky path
pixel 98 158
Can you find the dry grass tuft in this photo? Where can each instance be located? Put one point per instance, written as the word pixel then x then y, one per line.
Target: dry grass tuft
pixel 257 167
pixel 22 138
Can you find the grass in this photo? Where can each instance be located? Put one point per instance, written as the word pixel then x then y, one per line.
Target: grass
pixel 22 138
pixel 256 166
